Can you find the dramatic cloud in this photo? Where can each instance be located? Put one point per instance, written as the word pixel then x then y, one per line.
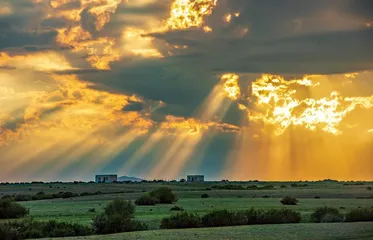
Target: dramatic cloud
pixel 159 89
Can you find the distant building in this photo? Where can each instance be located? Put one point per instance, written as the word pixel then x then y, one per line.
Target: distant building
pixel 195 178
pixel 106 178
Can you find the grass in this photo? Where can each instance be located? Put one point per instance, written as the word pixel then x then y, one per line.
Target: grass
pixel 75 210
pixel 337 231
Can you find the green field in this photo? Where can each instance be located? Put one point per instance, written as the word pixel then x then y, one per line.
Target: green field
pixel 332 194
pixel 326 231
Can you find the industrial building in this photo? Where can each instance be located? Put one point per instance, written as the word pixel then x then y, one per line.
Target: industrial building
pixel 195 178
pixel 106 178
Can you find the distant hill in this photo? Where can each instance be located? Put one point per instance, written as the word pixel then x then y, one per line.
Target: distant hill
pixel 126 178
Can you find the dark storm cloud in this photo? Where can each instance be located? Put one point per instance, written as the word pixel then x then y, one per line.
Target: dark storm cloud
pixel 298 37
pixel 182 89
pixel 11 38
pixel 327 53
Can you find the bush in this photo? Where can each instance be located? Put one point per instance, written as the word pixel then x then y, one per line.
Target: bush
pixel 181 220
pixel 117 217
pixel 146 200
pixel 252 216
pixel 283 186
pixel 177 208
pixel 360 215
pixel 8 233
pixel 205 195
pixel 125 209
pixel 369 188
pixel 92 210
pixel 326 214
pixel 69 195
pixel 10 209
pixel 32 229
pixel 228 187
pixel 104 224
pixel 164 195
pixel 252 187
pixel 289 201
pixel 220 218
pixel 266 187
pixel 298 185
pixel 278 216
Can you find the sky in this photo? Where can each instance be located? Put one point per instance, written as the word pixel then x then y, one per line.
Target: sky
pixel 158 89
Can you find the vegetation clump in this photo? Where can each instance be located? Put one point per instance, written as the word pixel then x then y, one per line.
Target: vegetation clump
pixel 117 217
pixel 29 228
pixel 228 187
pixel 205 195
pixel 295 185
pixel 10 209
pixel 360 215
pixel 92 210
pixel 221 218
pixel 278 216
pixel 177 208
pixel 326 214
pixel 181 220
pixel 164 195
pixel 289 201
pixel 146 200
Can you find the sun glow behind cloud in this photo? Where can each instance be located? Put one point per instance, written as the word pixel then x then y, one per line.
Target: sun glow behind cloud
pixel 298 129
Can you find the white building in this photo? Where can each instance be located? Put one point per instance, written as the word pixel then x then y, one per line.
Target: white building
pixel 195 178
pixel 106 178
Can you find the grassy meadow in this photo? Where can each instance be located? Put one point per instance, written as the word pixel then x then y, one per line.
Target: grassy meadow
pixel 317 194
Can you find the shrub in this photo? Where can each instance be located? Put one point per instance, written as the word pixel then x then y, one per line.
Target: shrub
pixel 164 195
pixel 369 188
pixel 360 215
pixel 181 220
pixel 219 218
pixel 283 186
pixel 326 214
pixel 177 208
pixel 317 197
pixel 252 216
pixel 252 187
pixel 125 209
pixel 117 217
pixel 229 187
pixel 92 210
pixel 104 224
pixel 298 185
pixel 32 229
pixel 266 187
pixel 69 195
pixel 289 201
pixel 10 209
pixel 278 216
pixel 205 195
pixel 8 233
pixel 146 200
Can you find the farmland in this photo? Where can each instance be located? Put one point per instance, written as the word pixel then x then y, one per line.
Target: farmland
pixel 311 196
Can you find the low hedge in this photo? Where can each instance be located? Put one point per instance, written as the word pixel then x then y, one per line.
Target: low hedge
pixel 220 218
